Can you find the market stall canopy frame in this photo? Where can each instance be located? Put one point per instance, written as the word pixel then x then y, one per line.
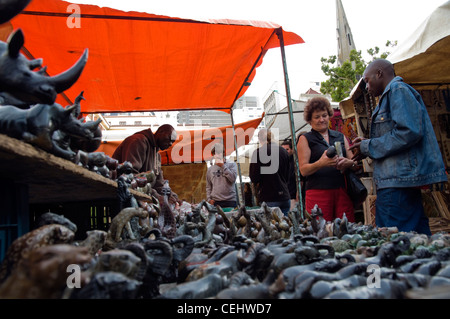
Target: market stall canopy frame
pixel 146 62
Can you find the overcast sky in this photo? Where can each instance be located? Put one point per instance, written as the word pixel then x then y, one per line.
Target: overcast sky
pixel 372 24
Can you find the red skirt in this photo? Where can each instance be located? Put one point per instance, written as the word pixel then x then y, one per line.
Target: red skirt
pixel 333 203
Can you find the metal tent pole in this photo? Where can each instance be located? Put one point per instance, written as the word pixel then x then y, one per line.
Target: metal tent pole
pixel 240 188
pixel 291 121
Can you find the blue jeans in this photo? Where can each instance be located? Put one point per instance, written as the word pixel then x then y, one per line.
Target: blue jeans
pixel 283 205
pixel 403 208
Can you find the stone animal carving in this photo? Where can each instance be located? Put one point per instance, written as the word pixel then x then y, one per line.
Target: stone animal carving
pixel 108 285
pixel 125 180
pixel 95 162
pixel 75 143
pixel 94 241
pixel 43 273
pixel 159 255
pixel 18 79
pixel 24 245
pixel 263 290
pixel 87 145
pixel 166 218
pixel 37 125
pixel 52 218
pixel 122 221
pixel 118 260
pixel 205 287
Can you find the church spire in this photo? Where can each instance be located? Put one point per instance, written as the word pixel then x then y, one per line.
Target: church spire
pixel 344 35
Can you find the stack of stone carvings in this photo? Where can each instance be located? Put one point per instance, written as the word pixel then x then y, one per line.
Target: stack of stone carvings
pixel 215 255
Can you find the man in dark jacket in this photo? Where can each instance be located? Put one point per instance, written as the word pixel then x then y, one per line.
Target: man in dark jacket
pixel 141 149
pixel 404 150
pixel 292 182
pixel 269 170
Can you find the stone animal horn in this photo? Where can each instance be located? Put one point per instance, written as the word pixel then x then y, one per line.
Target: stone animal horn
pixel 15 43
pixel 65 80
pixel 69 109
pixel 181 253
pixel 92 125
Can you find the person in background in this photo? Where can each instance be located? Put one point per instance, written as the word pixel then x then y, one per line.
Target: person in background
pixel 142 150
pixel 248 195
pixel 302 178
pixel 269 171
pixel 221 179
pixel 404 150
pixel 324 178
pixel 292 182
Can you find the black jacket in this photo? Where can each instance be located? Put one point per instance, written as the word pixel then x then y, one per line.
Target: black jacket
pixel 292 182
pixel 269 170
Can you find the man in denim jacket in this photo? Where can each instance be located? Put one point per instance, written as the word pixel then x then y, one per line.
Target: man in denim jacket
pixel 404 149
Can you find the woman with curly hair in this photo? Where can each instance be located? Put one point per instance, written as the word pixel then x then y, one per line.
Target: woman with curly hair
pixel 324 178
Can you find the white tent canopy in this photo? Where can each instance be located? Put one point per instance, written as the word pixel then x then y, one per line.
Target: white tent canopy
pixel 279 124
pixel 423 58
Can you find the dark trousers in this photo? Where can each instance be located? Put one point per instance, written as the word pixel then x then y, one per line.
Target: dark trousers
pixel 225 203
pixel 401 208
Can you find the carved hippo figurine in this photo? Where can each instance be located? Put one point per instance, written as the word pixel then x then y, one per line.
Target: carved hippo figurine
pixel 18 79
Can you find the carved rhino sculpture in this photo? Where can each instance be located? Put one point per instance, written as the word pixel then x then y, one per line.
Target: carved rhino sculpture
pixel 18 81
pixel 75 142
pixel 38 124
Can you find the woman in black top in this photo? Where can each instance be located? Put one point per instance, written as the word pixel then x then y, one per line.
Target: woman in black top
pixel 324 179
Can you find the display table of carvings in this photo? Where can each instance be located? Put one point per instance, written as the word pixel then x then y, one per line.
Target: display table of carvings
pixel 31 177
pixel 53 179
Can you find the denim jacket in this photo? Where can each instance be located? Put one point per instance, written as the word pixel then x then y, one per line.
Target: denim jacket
pixel 402 141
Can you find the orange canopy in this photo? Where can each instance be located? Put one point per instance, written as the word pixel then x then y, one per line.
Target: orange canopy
pixel 194 146
pixel 146 62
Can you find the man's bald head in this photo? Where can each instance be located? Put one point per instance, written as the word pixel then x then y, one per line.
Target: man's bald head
pixel 165 136
pixel 382 64
pixel 377 76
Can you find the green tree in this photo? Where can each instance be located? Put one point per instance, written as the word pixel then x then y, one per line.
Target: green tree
pixel 343 78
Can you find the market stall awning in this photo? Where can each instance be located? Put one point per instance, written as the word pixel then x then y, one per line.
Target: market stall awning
pixel 423 58
pixel 194 146
pixel 145 62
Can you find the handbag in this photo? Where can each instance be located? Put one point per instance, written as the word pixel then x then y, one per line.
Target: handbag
pixel 355 188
